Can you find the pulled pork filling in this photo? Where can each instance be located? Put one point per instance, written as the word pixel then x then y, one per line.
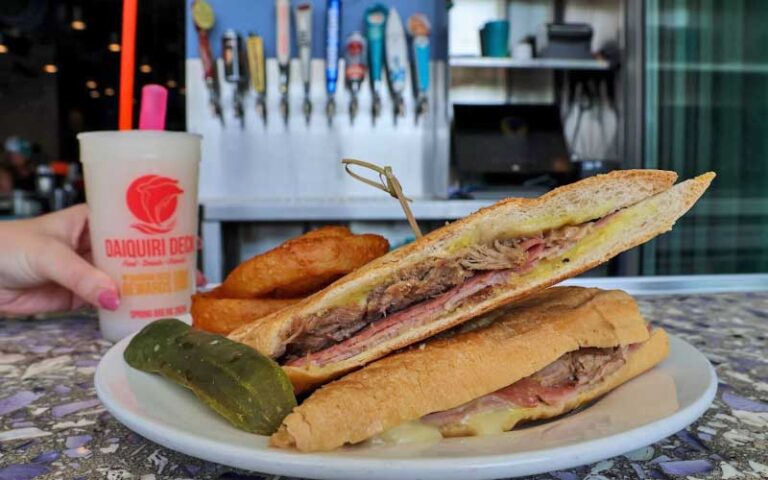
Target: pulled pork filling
pixel 417 293
pixel 554 385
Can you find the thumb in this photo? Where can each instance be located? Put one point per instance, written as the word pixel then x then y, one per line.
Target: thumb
pixel 57 262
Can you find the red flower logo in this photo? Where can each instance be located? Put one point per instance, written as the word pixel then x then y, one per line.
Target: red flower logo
pixel 153 199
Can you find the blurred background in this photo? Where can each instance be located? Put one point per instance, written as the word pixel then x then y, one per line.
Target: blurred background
pixel 497 98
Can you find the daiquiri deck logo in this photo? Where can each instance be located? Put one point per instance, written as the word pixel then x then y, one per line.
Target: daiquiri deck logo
pixel 161 259
pixel 153 200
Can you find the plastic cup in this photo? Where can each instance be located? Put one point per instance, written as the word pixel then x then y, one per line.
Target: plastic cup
pixel 141 189
pixel 494 39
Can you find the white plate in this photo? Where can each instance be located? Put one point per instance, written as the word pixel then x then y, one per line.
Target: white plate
pixel 643 411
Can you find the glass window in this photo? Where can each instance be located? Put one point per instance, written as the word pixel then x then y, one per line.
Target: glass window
pixel 706 108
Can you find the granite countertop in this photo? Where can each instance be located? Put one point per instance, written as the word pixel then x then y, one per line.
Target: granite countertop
pixel 53 426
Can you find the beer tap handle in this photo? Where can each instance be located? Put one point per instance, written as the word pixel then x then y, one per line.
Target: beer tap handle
pixel 283 21
pixel 396 51
pixel 375 20
pixel 202 15
pixel 332 35
pixel 258 73
pixel 419 29
pixel 303 17
pixel 354 69
pixel 234 70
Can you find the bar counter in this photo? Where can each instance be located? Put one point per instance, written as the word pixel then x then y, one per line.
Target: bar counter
pixel 53 426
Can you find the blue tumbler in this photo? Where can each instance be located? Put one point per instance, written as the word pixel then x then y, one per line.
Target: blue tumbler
pixel 494 39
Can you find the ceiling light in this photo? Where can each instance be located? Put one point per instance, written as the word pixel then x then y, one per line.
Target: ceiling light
pixel 50 68
pixel 171 83
pixel 145 68
pixel 3 48
pixel 109 91
pixel 114 44
pixel 94 94
pixel 77 19
pixel 91 84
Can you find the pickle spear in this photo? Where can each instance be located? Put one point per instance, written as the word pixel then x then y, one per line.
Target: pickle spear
pixel 243 386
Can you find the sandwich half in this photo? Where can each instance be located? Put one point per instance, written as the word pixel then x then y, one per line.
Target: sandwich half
pixel 495 256
pixel 545 356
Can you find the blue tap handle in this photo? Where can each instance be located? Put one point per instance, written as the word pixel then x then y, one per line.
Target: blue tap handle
pixel 421 58
pixel 332 44
pixel 375 19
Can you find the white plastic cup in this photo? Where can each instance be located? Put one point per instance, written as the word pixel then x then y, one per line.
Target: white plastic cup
pixel 141 189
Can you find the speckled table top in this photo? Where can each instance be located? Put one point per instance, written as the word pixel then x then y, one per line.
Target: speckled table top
pixel 53 426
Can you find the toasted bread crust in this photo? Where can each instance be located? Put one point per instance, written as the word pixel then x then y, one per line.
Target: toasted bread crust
pixel 572 204
pixel 449 372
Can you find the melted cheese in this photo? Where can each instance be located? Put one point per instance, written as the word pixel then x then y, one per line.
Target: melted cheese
pixel 481 423
pixel 531 226
pixel 410 432
pixel 496 421
pixel 613 227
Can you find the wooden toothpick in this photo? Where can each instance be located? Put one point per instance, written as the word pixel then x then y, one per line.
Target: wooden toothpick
pixel 388 182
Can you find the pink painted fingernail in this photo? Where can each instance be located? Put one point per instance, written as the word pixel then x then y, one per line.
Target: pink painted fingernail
pixel 109 300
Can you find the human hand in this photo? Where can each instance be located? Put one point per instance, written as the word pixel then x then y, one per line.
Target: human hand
pixel 45 265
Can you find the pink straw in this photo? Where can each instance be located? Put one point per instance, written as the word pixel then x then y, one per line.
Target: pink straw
pixel 154 99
